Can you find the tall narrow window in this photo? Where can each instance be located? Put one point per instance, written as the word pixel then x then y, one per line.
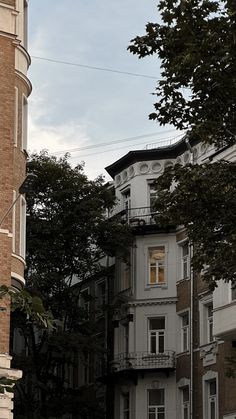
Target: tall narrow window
pixel 185 331
pixel 16 118
pixel 126 406
pixel 24 123
pixel 185 260
pixel 84 302
pixel 210 322
pixel 14 224
pixel 156 334
pixel 101 297
pixel 152 196
pixel 233 291
pixel 211 399
pixel 185 402
pixel 156 260
pixel 25 41
pixel 156 404
pixel 126 338
pixel 22 226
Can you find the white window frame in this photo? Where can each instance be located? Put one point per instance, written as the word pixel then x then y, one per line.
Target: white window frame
pixel 14 224
pixel 157 334
pixel 185 403
pixel 206 322
pixel 125 409
pixel 159 264
pixel 184 332
pixel 24 122
pixel 16 117
pixel 22 244
pixel 208 378
pixel 184 262
pixel 156 409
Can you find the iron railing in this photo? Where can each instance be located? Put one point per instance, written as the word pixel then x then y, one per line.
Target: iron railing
pixel 143 361
pixel 139 216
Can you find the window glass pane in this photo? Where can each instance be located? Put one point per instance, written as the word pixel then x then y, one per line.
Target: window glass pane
pixel 212 409
pixel 210 310
pixel 157 254
pixel 185 319
pixel 161 343
pixel 161 274
pixel 212 387
pixel 157 323
pixel 185 250
pixel 185 394
pixel 153 275
pixel 156 397
pixel 153 344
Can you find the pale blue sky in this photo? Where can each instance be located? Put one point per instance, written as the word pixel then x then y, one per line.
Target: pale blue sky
pixel 75 107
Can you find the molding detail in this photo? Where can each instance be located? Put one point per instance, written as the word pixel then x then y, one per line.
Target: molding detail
pixel 151 303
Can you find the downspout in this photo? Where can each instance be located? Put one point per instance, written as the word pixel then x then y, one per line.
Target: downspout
pixel 191 303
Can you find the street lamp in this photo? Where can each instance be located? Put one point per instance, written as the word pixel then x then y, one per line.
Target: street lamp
pixel 24 188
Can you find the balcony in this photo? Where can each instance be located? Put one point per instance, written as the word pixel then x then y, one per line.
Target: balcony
pixel 142 362
pixel 224 321
pixel 138 217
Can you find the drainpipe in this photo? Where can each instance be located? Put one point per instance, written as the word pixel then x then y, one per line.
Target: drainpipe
pixel 191 333
pixel 191 304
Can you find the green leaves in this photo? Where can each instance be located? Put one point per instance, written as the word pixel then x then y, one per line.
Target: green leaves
pixel 196 45
pixel 204 201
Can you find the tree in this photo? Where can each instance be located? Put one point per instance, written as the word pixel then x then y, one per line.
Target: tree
pixel 196 43
pixel 68 233
pixel 204 201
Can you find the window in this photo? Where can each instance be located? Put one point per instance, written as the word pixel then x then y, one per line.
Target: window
pixel 185 402
pixel 211 399
pixel 156 404
pixel 22 226
pixel 25 14
pixel 126 407
pixel 87 377
pixel 233 292
pixel 24 122
pixel 152 195
pixel 101 293
pixel 126 337
pixel 185 261
pixel 209 309
pixel 156 260
pixel 16 117
pixel 206 320
pixel 85 303
pixel 156 334
pixel 14 224
pixel 185 331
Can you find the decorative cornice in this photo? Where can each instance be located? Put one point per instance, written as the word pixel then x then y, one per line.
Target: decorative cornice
pixel 145 303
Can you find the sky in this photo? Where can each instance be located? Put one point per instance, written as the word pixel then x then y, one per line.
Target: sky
pixel 72 106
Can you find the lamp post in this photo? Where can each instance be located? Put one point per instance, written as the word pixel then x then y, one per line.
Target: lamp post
pixel 24 187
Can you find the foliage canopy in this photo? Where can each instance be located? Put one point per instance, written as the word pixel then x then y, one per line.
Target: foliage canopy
pixel 196 43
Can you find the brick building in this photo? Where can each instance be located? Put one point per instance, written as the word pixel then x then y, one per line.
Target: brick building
pixel 14 90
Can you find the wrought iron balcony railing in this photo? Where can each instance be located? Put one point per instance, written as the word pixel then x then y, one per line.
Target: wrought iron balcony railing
pixel 143 361
pixel 139 216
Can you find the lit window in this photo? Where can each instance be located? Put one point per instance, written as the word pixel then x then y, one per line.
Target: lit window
pixel 185 331
pixel 156 404
pixel 156 334
pixel 185 402
pixel 156 257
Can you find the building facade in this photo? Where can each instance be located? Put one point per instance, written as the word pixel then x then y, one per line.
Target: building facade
pixel 14 90
pixel 171 335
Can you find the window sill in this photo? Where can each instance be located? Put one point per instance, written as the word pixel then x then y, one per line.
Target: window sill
pixel 151 286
